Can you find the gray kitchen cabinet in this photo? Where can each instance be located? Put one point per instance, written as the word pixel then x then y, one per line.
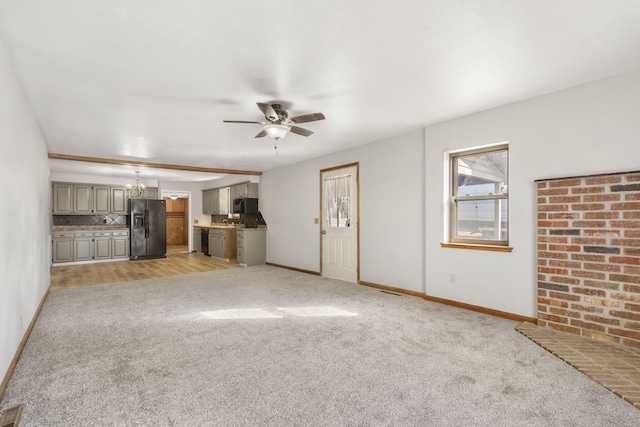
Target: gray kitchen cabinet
pixel 206 202
pixel 252 246
pixel 72 198
pixel 120 244
pixel 62 198
pixel 215 201
pixel 119 200
pixel 88 245
pixel 102 245
pixel 217 242
pixel 222 243
pixel 82 246
pixel 223 201
pixel 82 199
pixel 62 247
pixel 248 189
pixel 211 202
pixel 87 199
pixel 219 201
pixel 197 239
pixel 151 193
pixel 101 200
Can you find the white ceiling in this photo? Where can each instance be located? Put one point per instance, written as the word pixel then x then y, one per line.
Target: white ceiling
pixel 152 80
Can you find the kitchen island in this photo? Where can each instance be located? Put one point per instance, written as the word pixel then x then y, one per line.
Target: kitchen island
pixel 247 246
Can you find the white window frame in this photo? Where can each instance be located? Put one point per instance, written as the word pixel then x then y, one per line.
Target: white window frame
pixel 454 198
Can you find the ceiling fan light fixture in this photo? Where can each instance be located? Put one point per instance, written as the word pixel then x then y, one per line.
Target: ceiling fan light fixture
pixel 277 131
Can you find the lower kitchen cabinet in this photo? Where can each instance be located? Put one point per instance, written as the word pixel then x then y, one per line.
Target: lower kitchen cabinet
pixel 120 244
pixel 252 246
pixel 197 239
pixel 102 245
pixel 83 246
pixel 222 243
pixel 63 247
pixel 89 245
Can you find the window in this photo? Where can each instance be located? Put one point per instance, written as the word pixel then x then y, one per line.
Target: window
pixel 337 198
pixel 479 197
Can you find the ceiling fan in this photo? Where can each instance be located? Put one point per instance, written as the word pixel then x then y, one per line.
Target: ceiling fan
pixel 279 124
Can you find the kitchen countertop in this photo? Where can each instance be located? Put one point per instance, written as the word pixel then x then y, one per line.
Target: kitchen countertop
pixel 89 227
pixel 225 226
pixel 216 225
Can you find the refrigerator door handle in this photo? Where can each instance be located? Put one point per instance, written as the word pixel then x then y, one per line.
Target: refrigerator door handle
pixel 146 223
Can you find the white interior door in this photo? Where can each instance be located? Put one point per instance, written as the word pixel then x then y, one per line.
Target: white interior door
pixel 339 221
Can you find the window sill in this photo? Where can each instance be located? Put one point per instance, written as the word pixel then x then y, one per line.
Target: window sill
pixel 495 248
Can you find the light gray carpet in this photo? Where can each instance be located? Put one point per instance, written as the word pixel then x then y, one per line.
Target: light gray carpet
pixel 142 353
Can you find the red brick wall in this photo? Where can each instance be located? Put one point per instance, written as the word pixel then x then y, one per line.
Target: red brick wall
pixel 589 256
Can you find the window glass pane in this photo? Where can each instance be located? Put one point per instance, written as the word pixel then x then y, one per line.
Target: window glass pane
pixel 482 174
pixel 482 219
pixel 337 200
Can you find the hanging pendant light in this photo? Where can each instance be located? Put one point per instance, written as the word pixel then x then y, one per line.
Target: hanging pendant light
pixel 137 190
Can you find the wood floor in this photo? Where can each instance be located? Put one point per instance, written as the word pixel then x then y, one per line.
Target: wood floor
pixel 177 249
pixel 73 276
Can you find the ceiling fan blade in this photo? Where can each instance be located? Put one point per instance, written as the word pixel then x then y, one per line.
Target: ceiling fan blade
pixel 268 111
pixel 300 131
pixel 263 133
pixel 242 121
pixel 312 117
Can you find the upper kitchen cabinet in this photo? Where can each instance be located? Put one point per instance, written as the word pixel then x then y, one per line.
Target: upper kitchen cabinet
pixel 101 200
pixel 223 201
pixel 219 201
pixel 63 198
pixel 119 200
pixel 211 202
pixel 88 199
pixel 248 189
pixel 83 199
pixel 206 202
pixel 149 193
pixel 72 198
pixel 215 201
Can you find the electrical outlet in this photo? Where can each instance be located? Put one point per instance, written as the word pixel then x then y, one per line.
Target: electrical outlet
pixel 452 278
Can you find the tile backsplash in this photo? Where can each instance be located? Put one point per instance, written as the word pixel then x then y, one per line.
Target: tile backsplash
pixel 108 220
pixel 248 220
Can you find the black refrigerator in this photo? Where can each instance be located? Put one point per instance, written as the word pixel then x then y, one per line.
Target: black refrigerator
pixel 147 229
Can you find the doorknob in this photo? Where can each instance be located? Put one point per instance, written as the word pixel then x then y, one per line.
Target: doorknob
pixel 324 231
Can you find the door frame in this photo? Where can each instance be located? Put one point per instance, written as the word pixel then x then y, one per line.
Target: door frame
pixel 348 165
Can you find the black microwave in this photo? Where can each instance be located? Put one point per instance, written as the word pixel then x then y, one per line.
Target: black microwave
pixel 245 205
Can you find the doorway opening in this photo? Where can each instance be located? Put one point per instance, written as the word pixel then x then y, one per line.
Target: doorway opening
pixel 178 220
pixel 339 223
